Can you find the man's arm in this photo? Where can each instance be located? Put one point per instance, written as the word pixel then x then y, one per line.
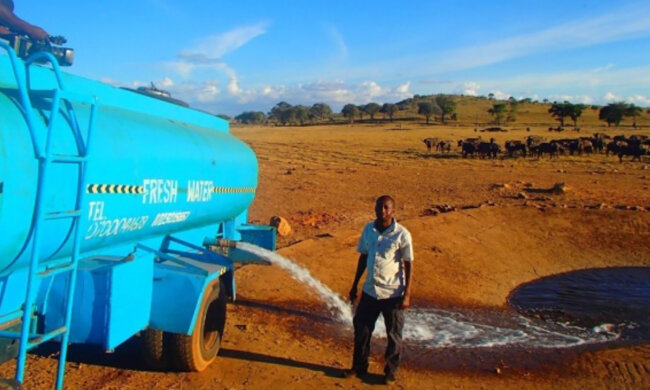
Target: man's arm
pixel 9 19
pixel 361 266
pixel 408 272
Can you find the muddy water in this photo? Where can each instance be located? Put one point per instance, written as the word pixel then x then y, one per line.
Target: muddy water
pixel 618 297
pixel 435 327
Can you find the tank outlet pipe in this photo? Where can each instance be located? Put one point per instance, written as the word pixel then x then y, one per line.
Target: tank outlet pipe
pixel 221 242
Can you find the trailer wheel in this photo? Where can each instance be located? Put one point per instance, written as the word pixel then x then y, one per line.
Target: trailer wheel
pixel 196 351
pixel 154 350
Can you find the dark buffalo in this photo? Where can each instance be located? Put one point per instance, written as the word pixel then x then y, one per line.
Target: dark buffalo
pixel 552 148
pixel 533 140
pixel 599 144
pixel 488 149
pixel 635 150
pixel 513 147
pixel 615 146
pixel 444 146
pixel 430 143
pixel 585 146
pixel 468 148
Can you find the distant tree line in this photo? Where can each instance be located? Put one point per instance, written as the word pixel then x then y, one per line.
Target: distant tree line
pixel 437 107
pixel 612 113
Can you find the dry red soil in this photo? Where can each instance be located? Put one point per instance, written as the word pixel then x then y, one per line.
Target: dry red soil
pixel 324 181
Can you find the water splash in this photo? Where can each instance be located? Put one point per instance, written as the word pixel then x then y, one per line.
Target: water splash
pixel 446 328
pixel 333 301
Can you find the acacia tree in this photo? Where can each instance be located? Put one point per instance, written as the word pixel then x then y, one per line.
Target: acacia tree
pixel 361 111
pixel 371 109
pixel 498 111
pixel 389 109
pixel 633 111
pixel 282 113
pixel 613 113
pixel 300 114
pixel 560 111
pixel 251 117
pixel 320 111
pixel 575 111
pixel 406 104
pixel 512 111
pixel 447 106
pixel 350 111
pixel 427 109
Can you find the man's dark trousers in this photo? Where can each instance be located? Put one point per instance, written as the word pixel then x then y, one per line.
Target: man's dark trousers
pixel 364 323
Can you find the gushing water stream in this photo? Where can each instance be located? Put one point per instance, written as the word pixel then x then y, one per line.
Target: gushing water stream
pixel 457 328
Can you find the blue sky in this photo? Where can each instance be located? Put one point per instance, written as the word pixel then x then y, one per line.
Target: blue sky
pixel 228 57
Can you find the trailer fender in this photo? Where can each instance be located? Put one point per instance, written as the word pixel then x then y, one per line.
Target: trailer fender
pixel 177 297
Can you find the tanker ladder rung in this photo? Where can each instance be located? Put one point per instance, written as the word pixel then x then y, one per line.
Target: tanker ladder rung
pixel 45 337
pixel 55 270
pixel 35 340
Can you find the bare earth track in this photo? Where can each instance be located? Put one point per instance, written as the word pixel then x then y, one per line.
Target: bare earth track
pixel 324 181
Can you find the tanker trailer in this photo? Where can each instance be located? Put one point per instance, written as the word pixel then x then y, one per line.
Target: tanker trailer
pixel 110 204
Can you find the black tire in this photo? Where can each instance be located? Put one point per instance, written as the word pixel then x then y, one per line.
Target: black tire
pixel 197 351
pixel 154 349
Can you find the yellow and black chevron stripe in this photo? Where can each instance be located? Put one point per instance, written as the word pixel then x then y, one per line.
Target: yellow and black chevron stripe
pixel 233 190
pixel 113 189
pixel 132 189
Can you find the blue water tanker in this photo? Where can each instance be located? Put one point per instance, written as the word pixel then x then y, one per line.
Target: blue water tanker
pixel 118 213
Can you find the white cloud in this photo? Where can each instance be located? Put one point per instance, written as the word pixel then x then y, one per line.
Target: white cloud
pixel 611 97
pixel 338 41
pixel 585 99
pixel 404 90
pixel 639 100
pixel 469 88
pixel 613 26
pixel 368 90
pixel 500 95
pixel 208 93
pixel 233 86
pixel 624 23
pixel 273 91
pixel 181 68
pixel 580 85
pixel 213 48
pixel 167 82
pixel 205 60
pixel 335 93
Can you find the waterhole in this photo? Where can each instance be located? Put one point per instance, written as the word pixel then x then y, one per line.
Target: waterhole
pixel 616 298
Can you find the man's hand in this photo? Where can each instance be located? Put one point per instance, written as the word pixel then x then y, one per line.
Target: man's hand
pixel 406 302
pixel 353 294
pixel 37 33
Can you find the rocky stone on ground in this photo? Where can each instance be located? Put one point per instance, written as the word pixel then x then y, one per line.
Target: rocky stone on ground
pixel 284 229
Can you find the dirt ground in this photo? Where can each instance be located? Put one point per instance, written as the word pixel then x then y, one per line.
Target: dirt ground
pixel 496 235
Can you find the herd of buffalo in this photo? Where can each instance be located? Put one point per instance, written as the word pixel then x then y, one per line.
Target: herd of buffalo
pixel 534 146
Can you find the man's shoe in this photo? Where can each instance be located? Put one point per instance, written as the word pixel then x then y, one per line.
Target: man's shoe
pixel 389 378
pixel 353 372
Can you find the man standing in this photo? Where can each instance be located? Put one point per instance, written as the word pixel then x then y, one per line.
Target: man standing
pixel 9 22
pixel 386 251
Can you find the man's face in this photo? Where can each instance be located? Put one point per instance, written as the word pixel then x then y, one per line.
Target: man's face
pixel 384 209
